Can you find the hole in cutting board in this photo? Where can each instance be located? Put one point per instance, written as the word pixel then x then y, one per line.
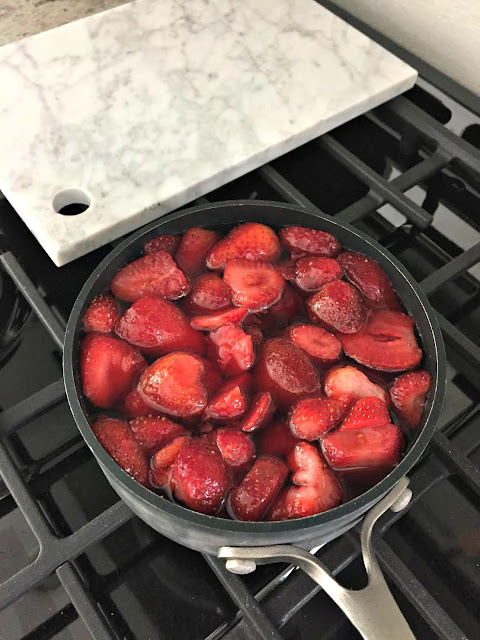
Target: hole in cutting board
pixel 71 202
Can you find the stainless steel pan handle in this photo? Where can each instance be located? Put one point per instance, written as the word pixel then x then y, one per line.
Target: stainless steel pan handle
pixel 372 610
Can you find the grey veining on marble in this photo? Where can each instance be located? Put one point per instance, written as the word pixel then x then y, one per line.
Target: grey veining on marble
pixel 149 105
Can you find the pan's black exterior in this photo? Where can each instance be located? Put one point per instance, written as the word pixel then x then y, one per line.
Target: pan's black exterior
pixel 207 533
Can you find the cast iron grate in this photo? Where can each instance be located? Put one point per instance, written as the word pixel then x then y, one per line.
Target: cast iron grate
pixel 428 149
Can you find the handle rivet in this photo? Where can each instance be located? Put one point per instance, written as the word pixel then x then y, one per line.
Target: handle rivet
pixel 402 501
pixel 240 567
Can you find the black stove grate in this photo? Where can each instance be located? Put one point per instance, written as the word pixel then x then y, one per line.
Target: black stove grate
pixel 427 149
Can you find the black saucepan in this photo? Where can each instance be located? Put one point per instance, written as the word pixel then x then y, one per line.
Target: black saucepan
pixel 207 533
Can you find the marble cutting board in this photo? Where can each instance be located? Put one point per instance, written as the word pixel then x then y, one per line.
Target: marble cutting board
pixel 145 107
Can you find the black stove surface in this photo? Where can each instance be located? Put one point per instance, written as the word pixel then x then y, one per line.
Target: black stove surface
pixel 75 563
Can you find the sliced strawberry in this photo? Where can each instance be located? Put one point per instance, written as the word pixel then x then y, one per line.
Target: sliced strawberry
pixel 339 307
pixel 200 478
pixel 228 403
pixel 212 377
pixel 408 395
pixel 387 342
pixel 366 412
pixel 233 348
pixel 287 269
pixel 250 240
pixel 255 285
pixel 368 447
pixel 310 418
pixel 109 368
pixel 102 314
pixel 300 241
pixel 319 490
pixel 167 455
pixel 174 384
pixel 372 281
pixel 321 346
pixel 162 243
pixel 211 321
pixel 314 272
pixel 237 449
pixel 194 247
pixel 208 293
pixel 285 371
pixel 258 489
pixel 117 439
pixel 157 326
pixel 134 406
pixel 282 312
pixel 253 326
pixel 155 274
pixel 154 432
pixel 349 381
pixel 259 414
pixel 277 439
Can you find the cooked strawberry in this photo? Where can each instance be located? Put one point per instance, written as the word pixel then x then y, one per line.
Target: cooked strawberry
pixel 318 490
pixel 162 243
pixel 258 489
pixel 167 455
pixel 276 510
pixel 200 478
pixel 134 406
pixel 237 450
pixel 250 240
pixel 300 241
pixel 314 272
pixel 287 269
pixel 320 345
pixel 154 432
pixel 368 447
pixel 259 414
pixel 194 247
pixel 102 314
pixel 157 326
pixel 310 418
pixel 117 439
pixel 233 348
pixel 408 395
pixel 212 377
pixel 339 307
pixel 349 381
pixel 387 342
pixel 160 478
pixel 210 321
pixel 366 412
pixel 285 371
pixel 155 274
pixel 255 285
pixel 228 403
pixel 174 384
pixel 208 293
pixel 109 368
pixel 282 312
pixel 372 281
pixel 253 326
pixel 277 439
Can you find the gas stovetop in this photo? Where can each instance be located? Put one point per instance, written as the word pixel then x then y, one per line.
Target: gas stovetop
pixel 76 564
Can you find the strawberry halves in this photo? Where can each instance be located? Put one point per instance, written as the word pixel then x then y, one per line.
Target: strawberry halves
pixel 109 368
pixel 155 273
pixel 251 240
pixel 300 241
pixel 350 382
pixel 102 314
pixel 258 489
pixel 408 394
pixel 255 285
pixel 310 418
pixel 118 440
pixel 339 307
pixel 194 247
pixel 387 342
